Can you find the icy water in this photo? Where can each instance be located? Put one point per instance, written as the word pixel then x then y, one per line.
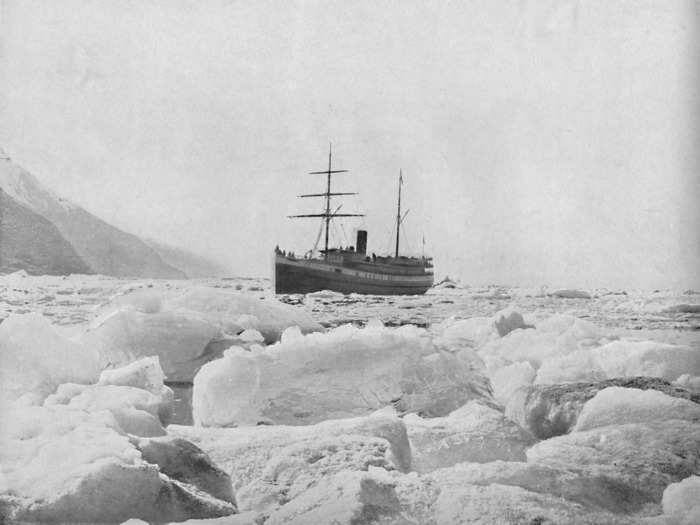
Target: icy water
pixel 662 315
pixel 71 301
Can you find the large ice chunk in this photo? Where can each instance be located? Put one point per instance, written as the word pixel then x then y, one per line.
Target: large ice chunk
pixel 555 336
pixel 691 383
pixel 508 320
pixel 552 410
pixel 233 312
pixel 343 373
pixel 183 461
pixel 682 500
pixel 350 498
pixel 35 358
pixel 297 468
pixel 64 464
pixel 578 366
pixel 636 460
pixel 465 333
pixel 244 453
pixel 474 332
pixel 570 294
pixel 495 503
pixel 134 394
pixel 186 329
pixel 647 358
pixel 530 493
pixel 617 406
pixel 474 433
pixel 562 483
pixel 507 380
pixel 179 340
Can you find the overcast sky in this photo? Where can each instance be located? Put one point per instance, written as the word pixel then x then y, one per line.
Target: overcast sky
pixel 542 142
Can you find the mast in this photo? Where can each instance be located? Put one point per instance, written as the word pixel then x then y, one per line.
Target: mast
pixel 327 215
pixel 398 214
pixel 328 196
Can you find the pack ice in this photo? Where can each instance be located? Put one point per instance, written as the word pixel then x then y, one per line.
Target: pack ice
pixel 186 328
pixel 99 453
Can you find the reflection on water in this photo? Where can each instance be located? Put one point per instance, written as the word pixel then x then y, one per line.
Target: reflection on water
pixel 182 409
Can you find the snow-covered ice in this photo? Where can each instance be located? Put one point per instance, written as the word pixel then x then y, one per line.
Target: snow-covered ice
pixel 682 500
pixel 552 410
pixel 79 456
pixel 473 433
pixel 619 406
pixel 35 358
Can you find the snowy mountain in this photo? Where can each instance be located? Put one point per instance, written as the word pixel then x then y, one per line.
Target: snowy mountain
pixel 194 265
pixel 101 247
pixel 30 242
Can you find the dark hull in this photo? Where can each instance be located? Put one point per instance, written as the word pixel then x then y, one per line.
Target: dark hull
pixel 305 277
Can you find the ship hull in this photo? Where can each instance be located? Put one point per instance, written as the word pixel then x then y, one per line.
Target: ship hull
pixel 306 276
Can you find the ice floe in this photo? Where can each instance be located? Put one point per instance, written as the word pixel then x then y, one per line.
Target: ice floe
pixel 346 372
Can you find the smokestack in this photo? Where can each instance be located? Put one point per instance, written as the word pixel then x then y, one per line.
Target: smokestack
pixel 361 241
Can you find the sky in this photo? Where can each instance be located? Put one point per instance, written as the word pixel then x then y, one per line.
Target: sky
pixel 542 142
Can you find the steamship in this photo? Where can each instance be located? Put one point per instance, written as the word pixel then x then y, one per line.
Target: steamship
pixel 350 269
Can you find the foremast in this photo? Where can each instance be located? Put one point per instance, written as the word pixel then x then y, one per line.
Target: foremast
pixel 327 215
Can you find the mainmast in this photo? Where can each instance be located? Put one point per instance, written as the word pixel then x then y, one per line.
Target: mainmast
pixel 327 216
pixel 398 215
pixel 399 218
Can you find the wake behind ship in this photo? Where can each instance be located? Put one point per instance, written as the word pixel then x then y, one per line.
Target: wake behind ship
pixel 350 270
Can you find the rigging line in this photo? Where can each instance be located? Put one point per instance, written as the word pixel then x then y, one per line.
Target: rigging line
pixel 409 248
pixel 387 244
pixel 318 238
pixel 345 236
pixel 336 232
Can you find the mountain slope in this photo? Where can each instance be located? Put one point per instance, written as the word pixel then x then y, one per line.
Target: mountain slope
pixel 195 266
pixel 105 249
pixel 30 242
